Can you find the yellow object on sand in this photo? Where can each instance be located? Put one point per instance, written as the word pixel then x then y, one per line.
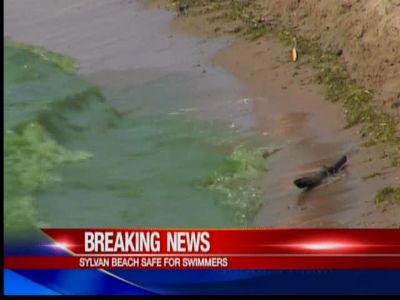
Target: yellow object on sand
pixel 294 55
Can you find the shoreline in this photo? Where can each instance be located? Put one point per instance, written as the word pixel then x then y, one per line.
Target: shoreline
pixel 289 106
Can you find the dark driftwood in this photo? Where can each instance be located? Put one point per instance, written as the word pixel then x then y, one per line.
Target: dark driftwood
pixel 315 179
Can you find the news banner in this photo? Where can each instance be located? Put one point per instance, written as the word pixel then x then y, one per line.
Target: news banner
pixel 165 261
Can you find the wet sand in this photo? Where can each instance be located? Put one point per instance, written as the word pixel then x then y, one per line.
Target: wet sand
pixel 291 109
pixel 116 47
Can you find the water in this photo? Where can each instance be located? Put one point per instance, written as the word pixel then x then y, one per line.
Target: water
pixel 74 160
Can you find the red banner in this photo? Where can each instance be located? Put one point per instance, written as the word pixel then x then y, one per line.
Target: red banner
pixel 239 241
pixel 219 249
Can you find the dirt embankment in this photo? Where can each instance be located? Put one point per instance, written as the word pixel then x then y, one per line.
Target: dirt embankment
pixel 366 31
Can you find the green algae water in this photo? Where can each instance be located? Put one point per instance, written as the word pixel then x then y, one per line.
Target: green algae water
pixel 72 160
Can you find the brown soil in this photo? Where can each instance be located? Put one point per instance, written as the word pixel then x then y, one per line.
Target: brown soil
pixel 292 111
pixel 368 33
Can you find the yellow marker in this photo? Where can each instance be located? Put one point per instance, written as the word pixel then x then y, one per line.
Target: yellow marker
pixel 294 55
pixel 294 51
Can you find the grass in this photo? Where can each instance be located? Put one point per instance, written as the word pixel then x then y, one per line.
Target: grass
pixel 388 194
